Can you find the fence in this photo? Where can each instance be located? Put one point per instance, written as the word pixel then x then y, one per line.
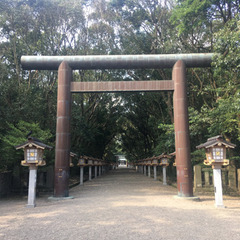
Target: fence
pixel 5 183
pixel 203 179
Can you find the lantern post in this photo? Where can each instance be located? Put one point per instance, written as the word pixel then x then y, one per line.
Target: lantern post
pixel 149 163
pixel 90 164
pixel 99 168
pixel 96 167
pixel 154 164
pixel 81 164
pixel 215 149
pixel 164 162
pixel 145 167
pixel 33 157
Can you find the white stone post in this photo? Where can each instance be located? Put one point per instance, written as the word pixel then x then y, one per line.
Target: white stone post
pixel 32 186
pixel 90 173
pixel 81 175
pixel 155 172
pixel 218 186
pixel 149 171
pixel 164 175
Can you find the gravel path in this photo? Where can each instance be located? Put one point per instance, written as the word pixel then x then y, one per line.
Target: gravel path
pixel 120 205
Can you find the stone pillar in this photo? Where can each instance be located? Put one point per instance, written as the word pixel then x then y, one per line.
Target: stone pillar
pixel 155 172
pixel 218 186
pixel 95 172
pixel 81 175
pixel 90 173
pixel 61 180
pixel 149 171
pixel 164 175
pixel 32 186
pixel 181 124
pixel 207 178
pixel 225 179
pixel 232 178
pixel 145 170
pixel 238 173
pixel 197 176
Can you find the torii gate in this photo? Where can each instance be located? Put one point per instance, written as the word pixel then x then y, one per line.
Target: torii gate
pixel 65 65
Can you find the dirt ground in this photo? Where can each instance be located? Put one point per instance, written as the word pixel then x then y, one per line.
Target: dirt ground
pixel 122 205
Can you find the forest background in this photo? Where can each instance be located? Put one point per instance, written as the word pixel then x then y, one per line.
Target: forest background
pixel 136 124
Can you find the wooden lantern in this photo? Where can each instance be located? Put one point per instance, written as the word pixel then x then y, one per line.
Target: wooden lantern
pixel 81 161
pixel 33 152
pixel 215 149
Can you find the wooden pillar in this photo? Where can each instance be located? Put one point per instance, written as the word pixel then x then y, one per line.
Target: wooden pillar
pixel 181 124
pixel 61 179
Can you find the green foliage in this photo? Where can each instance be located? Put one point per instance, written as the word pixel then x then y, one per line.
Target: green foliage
pixel 166 140
pixel 227 61
pixel 139 125
pixel 17 135
pixel 198 156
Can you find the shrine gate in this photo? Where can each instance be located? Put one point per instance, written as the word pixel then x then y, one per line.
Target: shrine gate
pixel 65 65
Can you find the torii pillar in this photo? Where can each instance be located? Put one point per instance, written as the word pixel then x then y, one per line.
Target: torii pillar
pixel 181 125
pixel 62 152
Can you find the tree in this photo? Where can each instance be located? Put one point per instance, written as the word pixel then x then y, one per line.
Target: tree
pixel 17 135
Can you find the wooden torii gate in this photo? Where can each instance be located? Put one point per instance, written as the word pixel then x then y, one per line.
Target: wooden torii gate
pixel 65 65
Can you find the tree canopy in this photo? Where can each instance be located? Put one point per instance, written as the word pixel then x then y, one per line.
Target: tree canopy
pixel 141 124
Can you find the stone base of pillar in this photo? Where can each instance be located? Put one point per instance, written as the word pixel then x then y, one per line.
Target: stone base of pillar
pixel 60 198
pixel 30 205
pixel 220 206
pixel 187 198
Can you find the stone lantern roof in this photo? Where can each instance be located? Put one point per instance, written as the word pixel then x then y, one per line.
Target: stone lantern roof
pixel 216 141
pixel 33 142
pixel 73 154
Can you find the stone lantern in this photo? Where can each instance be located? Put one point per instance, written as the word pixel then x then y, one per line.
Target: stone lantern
pixel 215 149
pixel 173 154
pixel 154 164
pixel 90 164
pixel 96 167
pixel 33 157
pixel 72 155
pixel 164 162
pixel 145 167
pixel 100 165
pixel 149 163
pixel 81 163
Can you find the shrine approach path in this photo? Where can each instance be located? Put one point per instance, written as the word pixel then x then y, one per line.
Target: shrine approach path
pixel 120 205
